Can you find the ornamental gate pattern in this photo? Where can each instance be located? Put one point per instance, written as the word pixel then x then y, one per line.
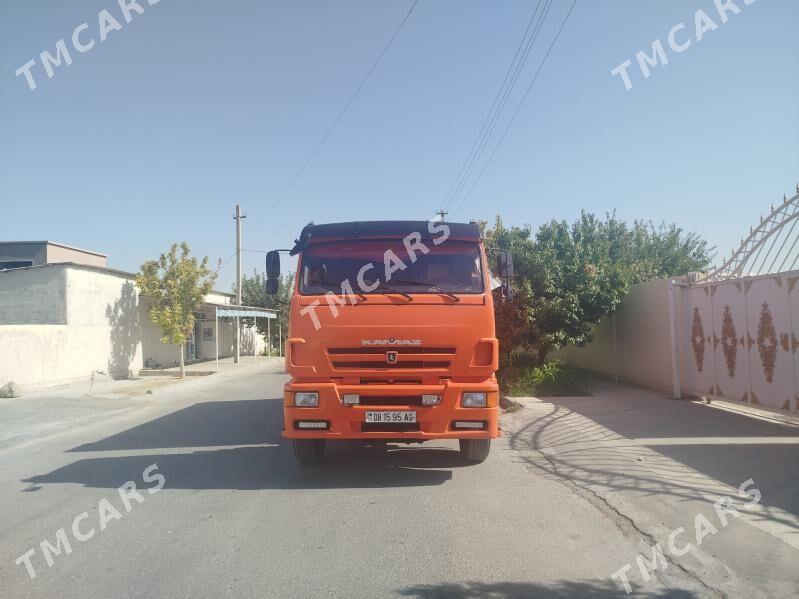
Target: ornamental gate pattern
pixel 741 339
pixel 743 318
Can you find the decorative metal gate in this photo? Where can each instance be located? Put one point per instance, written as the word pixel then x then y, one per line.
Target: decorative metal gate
pixel 738 326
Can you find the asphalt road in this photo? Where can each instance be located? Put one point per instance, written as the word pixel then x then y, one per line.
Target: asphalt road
pixel 238 517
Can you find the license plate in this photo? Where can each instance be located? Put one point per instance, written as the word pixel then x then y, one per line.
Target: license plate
pixel 385 416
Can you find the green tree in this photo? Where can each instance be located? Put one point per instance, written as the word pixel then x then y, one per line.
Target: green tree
pixel 176 285
pixel 567 277
pixel 253 293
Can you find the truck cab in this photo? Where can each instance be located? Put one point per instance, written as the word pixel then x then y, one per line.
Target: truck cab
pixel 391 337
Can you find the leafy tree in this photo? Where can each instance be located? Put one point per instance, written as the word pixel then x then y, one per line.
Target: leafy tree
pixel 253 293
pixel 176 285
pixel 567 277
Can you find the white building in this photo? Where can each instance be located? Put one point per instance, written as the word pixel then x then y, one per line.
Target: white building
pixel 62 322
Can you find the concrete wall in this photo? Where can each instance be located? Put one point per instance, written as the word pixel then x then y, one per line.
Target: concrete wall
pixel 107 303
pixel 640 351
pixel 33 296
pixel 58 323
pixel 33 355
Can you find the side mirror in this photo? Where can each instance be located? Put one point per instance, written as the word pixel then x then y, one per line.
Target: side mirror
pixel 271 286
pixel 272 271
pixel 504 270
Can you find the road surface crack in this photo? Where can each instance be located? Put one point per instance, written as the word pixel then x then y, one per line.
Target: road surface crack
pixel 625 523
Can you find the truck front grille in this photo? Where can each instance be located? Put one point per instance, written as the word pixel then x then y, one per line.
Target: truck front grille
pixel 372 350
pixel 391 381
pixel 405 358
pixel 372 364
pixel 390 400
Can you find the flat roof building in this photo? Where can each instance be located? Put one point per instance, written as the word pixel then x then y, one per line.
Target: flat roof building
pixel 19 254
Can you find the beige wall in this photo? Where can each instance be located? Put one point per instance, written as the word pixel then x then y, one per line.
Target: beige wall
pixel 33 355
pixel 217 297
pixel 156 354
pixel 641 350
pixel 736 339
pixel 58 253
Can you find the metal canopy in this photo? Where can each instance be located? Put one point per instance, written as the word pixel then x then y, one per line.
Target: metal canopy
pixel 228 311
pixel 243 312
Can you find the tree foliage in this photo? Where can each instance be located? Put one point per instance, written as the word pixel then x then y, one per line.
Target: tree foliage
pixel 567 277
pixel 253 293
pixel 176 285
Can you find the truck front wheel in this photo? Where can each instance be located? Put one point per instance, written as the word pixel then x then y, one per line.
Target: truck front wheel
pixel 475 450
pixel 309 451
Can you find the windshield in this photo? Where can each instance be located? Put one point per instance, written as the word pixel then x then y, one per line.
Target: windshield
pixel 387 266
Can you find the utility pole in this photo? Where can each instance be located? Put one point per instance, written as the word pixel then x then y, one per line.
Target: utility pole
pixel 238 218
pixel 443 214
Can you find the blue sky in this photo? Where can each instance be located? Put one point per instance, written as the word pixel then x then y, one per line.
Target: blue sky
pixel 154 134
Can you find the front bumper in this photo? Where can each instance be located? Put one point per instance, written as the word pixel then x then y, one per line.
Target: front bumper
pixel 434 422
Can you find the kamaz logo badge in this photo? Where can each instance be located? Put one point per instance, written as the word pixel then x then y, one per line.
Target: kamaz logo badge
pixel 391 341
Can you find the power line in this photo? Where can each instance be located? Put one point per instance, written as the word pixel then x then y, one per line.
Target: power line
pixel 342 112
pixel 500 100
pixel 222 266
pixel 490 132
pixel 283 233
pixel 267 223
pixel 516 112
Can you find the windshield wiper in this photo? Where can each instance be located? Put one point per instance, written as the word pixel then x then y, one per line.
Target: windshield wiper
pixel 332 287
pixel 384 287
pixel 432 286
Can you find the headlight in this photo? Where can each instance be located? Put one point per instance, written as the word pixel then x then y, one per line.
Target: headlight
pixel 306 400
pixel 473 400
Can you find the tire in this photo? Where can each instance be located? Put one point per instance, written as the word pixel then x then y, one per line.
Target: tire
pixel 475 450
pixel 308 451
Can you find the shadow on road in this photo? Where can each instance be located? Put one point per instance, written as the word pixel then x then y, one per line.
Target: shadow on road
pixel 246 452
pixel 627 439
pixel 525 590
pixel 207 424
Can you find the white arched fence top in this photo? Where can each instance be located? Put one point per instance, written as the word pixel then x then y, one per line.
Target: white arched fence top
pixel 771 247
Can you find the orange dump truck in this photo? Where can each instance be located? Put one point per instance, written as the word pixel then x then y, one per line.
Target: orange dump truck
pixel 391 336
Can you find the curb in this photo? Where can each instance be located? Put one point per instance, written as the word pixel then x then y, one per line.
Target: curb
pixel 750 411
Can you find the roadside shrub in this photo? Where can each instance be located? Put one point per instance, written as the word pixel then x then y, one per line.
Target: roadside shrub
pixel 553 378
